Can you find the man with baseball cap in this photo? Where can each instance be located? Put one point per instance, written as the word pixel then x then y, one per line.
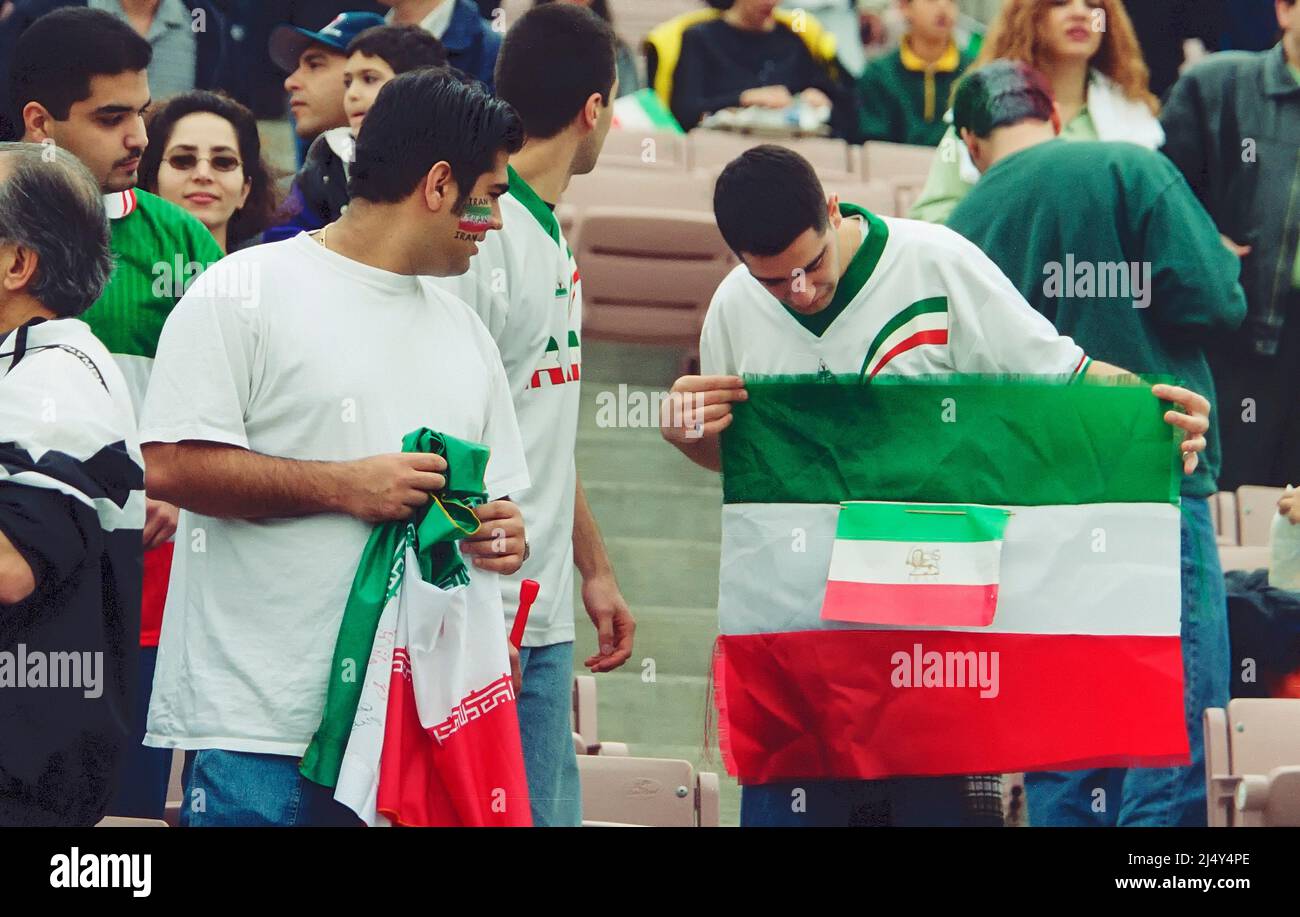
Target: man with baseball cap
pixel 314 62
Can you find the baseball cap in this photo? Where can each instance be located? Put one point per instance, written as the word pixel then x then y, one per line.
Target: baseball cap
pixel 289 41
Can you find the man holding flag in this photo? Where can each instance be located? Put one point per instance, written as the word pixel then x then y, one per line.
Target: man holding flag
pixel 829 289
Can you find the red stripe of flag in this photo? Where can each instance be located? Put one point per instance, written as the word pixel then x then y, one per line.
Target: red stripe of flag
pixel 911 604
pixel 822 705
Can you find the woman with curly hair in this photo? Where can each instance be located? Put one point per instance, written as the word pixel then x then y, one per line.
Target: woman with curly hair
pixel 1089 52
pixel 204 155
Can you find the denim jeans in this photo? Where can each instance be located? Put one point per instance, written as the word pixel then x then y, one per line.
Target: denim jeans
pixel 226 789
pixel 904 802
pixel 1158 796
pixel 142 776
pixel 546 729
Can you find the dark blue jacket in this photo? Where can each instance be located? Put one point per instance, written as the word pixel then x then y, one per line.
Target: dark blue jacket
pixel 471 43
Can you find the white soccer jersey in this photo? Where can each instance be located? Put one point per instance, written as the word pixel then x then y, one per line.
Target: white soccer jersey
pixel 916 299
pixel 525 286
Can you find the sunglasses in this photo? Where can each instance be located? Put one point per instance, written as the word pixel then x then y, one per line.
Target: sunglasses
pixel 185 162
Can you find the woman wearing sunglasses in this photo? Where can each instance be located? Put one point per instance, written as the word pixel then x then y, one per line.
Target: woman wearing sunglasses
pixel 204 154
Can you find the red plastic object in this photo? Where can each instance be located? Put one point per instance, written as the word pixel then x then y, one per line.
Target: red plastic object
pixel 528 590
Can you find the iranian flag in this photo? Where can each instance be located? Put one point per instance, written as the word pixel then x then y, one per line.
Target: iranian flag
pixel 948 576
pixel 915 564
pixel 644 111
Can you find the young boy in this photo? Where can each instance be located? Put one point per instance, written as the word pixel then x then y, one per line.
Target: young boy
pixel 830 287
pixel 273 418
pixel 903 95
pixel 557 70
pixel 375 56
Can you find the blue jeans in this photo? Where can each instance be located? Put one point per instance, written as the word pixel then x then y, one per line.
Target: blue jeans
pixel 225 789
pixel 546 730
pixel 143 774
pixel 1158 796
pixel 903 802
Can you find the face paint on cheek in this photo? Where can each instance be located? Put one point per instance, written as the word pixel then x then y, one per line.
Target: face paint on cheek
pixel 477 217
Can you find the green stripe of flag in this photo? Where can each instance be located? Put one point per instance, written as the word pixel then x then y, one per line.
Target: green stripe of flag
pixel 1019 441
pixel 921 307
pixel 930 523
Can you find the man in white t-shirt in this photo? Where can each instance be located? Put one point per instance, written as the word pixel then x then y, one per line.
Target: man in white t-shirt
pixel 825 287
pixel 557 70
pixel 283 386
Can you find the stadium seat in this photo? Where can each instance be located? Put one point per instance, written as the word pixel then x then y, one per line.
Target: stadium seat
pixel 633 19
pixel 1256 507
pixel 1228 518
pixel 648 274
pixel 610 186
pixel 121 821
pixel 881 160
pixel 585 735
pixel 175 790
pixel 654 792
pixel 878 197
pixel 636 149
pixel 1252 762
pixel 831 158
pixel 1242 557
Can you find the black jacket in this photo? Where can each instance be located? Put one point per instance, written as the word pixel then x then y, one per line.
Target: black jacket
pixel 1232 126
pixel 212 69
pixel 319 194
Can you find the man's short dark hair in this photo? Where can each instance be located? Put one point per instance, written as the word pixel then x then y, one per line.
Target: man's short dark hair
pixel 458 122
pixel 402 47
pixel 551 61
pixel 999 94
pixel 50 204
pixel 766 198
pixel 59 53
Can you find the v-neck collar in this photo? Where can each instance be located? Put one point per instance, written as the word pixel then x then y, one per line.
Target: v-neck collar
pixel 524 194
pixel 861 266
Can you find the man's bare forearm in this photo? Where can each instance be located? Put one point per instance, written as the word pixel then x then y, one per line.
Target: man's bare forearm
pixel 233 483
pixel 589 554
pixel 705 452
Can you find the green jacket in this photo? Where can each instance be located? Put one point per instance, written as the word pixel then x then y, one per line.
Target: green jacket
pixel 902 99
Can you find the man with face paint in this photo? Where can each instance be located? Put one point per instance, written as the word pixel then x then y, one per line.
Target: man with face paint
pixel 557 68
pixel 275 417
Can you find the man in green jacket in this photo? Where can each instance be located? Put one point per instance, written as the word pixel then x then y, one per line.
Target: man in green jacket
pixel 1232 127
pixel 1108 242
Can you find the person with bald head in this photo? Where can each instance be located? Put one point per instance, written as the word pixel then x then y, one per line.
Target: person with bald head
pixel 71 501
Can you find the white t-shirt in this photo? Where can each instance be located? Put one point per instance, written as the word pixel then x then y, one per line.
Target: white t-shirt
pixel 328 359
pixel 524 284
pixel 917 299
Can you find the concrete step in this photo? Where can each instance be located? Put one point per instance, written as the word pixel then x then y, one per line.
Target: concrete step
pixel 629 459
pixel 667 711
pixel 649 510
pixel 641 364
pixel 676 641
pixel 659 571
